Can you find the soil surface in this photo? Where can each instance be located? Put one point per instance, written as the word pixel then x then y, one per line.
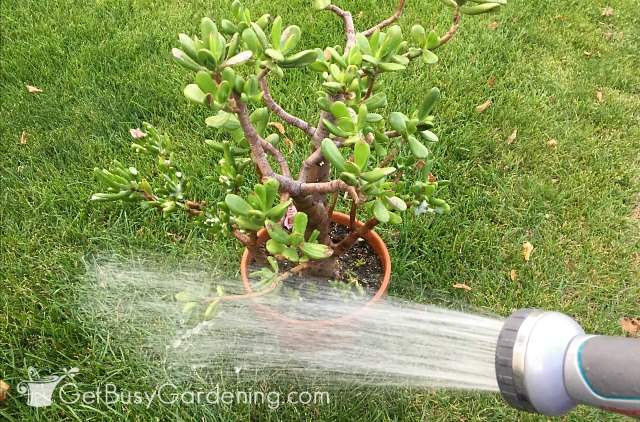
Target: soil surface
pixel 360 270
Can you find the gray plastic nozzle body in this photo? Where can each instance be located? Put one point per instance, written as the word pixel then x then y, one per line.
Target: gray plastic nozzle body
pixel 546 364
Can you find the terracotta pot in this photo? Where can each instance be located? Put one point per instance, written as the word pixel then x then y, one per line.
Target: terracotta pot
pixel 374 241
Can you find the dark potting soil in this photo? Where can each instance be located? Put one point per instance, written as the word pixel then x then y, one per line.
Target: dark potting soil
pixel 360 270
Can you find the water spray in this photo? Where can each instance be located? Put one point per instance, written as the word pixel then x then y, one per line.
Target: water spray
pixel 545 363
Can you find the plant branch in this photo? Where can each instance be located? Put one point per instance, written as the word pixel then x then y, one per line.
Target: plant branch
pixel 452 31
pixel 281 112
pixel 271 287
pixel 353 236
pixel 349 28
pixel 297 188
pixel 278 156
pixel 391 19
pixel 253 138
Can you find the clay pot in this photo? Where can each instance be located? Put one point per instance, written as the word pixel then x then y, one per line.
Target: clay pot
pixel 372 238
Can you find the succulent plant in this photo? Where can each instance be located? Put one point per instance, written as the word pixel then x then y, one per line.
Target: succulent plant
pixel 379 158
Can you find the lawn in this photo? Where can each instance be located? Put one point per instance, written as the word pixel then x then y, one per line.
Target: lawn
pixel 104 67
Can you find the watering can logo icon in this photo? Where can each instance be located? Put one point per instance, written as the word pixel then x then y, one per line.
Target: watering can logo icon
pixel 39 390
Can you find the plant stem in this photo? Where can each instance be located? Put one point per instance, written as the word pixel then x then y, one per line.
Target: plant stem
pixel 391 19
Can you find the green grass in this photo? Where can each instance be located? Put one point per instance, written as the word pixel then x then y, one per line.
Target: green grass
pixel 104 67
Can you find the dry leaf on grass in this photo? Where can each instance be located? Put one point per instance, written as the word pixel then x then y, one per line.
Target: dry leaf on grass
pixel 491 81
pixel 482 107
pixel 607 11
pixel 23 138
pixel 552 143
pixel 493 26
pixel 461 286
pixel 33 89
pixel 4 389
pixel 527 249
pixel 599 95
pixel 512 138
pixel 635 214
pixel 137 133
pixel 513 275
pixel 280 128
pixel 630 326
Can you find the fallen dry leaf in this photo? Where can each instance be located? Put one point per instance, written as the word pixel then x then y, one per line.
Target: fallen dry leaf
pixel 630 326
pixel 491 81
pixel 461 286
pixel 599 95
pixel 552 143
pixel 527 249
pixel 513 275
pixel 279 127
pixel 635 214
pixel 512 138
pixel 33 89
pixel 493 26
pixel 23 138
pixel 482 107
pixel 137 133
pixel 4 389
pixel 607 11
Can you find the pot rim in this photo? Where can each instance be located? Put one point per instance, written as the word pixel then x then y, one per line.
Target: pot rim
pixel 374 240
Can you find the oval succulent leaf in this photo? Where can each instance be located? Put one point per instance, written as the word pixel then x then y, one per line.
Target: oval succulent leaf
pixel 398 122
pixel 184 60
pixel 361 152
pixel 276 232
pixel 417 148
pixel 194 94
pixel 429 102
pixel 237 204
pixel 316 250
pixel 332 154
pixel 321 4
pixel 239 58
pixel 377 174
pixel 300 222
pixel 380 211
pixel 397 203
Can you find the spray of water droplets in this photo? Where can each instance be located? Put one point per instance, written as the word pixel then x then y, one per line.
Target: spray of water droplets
pixel 321 332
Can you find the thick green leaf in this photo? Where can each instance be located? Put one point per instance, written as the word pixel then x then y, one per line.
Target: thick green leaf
pixel 239 58
pixel 276 232
pixel 300 222
pixel 332 154
pixel 205 82
pixel 237 205
pixel 429 57
pixel 321 4
pixel 316 250
pixel 274 248
pixel 417 148
pixel 380 212
pixel 195 94
pixel 397 203
pixel 361 152
pixel 428 103
pixel 398 122
pixel 432 40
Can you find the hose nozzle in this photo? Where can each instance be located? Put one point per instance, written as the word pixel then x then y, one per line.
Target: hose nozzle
pixel 546 364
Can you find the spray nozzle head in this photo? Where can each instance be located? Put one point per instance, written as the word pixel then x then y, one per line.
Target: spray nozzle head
pixel 529 360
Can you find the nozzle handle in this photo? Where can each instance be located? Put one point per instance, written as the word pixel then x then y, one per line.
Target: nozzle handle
pixel 604 371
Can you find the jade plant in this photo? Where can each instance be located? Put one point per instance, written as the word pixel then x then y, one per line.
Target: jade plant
pixel 375 160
